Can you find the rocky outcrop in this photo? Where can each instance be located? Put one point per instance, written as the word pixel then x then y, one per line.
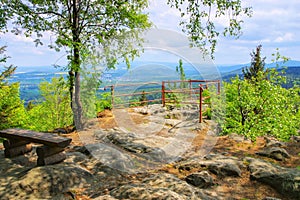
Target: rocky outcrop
pixel 159 186
pixel 180 161
pixel 201 179
pixel 45 182
pixel 276 153
pixel 217 164
pixel 284 180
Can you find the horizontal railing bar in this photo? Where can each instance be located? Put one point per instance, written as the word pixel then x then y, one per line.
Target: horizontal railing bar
pixel 139 93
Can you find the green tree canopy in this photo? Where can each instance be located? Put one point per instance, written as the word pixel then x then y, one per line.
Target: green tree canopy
pixel 258 105
pixel 11 107
pixel 82 26
pixel 199 20
pixel 7 71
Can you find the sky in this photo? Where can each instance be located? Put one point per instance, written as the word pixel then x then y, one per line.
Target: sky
pixel 274 24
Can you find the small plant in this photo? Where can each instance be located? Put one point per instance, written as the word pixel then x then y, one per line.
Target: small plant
pixel 104 102
pixel 143 99
pixel 245 162
pixel 207 113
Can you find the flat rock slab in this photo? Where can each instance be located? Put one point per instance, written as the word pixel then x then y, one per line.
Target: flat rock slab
pixel 201 179
pixel 44 182
pixel 276 153
pixel 284 180
pixel 159 186
pixel 217 164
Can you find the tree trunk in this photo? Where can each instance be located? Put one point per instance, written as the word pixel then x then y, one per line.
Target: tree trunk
pixel 77 106
pixel 71 89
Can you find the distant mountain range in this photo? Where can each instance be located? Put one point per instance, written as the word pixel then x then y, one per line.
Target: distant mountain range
pixel 236 68
pixel 30 77
pixel 291 68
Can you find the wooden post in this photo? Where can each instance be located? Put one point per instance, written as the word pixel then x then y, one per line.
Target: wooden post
pixel 45 151
pixel 15 148
pixel 55 158
pixel 200 103
pixel 8 144
pixel 219 87
pixel 163 97
pixel 50 155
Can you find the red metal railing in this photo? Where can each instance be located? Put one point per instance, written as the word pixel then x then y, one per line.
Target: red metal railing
pixel 195 88
pixel 190 89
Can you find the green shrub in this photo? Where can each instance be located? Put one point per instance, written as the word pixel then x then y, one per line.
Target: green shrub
pixel 255 108
pixel 207 113
pixel 12 111
pixel 104 102
pixel 54 111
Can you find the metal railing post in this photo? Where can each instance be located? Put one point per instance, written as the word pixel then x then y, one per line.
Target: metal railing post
pixel 190 83
pixel 200 103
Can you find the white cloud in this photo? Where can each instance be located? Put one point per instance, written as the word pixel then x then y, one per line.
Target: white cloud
pixel 287 37
pixel 17 38
pixel 275 23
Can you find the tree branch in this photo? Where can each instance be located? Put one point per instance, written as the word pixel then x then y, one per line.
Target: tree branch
pixel 49 12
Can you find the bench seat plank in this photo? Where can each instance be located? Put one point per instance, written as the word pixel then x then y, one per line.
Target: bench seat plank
pixel 48 139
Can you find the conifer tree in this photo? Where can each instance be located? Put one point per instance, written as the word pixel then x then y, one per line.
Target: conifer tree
pixel 257 65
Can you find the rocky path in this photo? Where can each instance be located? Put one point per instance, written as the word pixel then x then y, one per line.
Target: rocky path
pixel 154 153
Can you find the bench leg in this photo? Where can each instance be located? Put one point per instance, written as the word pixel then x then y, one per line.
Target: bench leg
pixel 15 148
pixel 50 155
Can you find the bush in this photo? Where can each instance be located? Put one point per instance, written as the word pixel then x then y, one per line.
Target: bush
pixel 12 112
pixel 104 102
pixel 54 111
pixel 255 108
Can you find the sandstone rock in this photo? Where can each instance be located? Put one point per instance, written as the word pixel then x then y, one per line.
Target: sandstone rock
pixel 276 153
pixel 272 142
pixel 270 198
pixel 173 115
pixel 296 138
pixel 224 169
pixel 75 157
pixel 190 114
pixel 144 192
pixel 216 163
pixel 128 144
pixel 112 157
pixel 172 122
pixel 46 182
pixel 156 109
pixel 81 149
pixel 105 197
pixel 159 186
pixel 284 180
pixel 142 110
pixel 202 179
pixel 236 137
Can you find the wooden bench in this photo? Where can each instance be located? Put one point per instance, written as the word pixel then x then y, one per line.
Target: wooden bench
pixel 19 142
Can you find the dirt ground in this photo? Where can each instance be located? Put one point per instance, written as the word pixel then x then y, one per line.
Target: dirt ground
pixel 233 187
